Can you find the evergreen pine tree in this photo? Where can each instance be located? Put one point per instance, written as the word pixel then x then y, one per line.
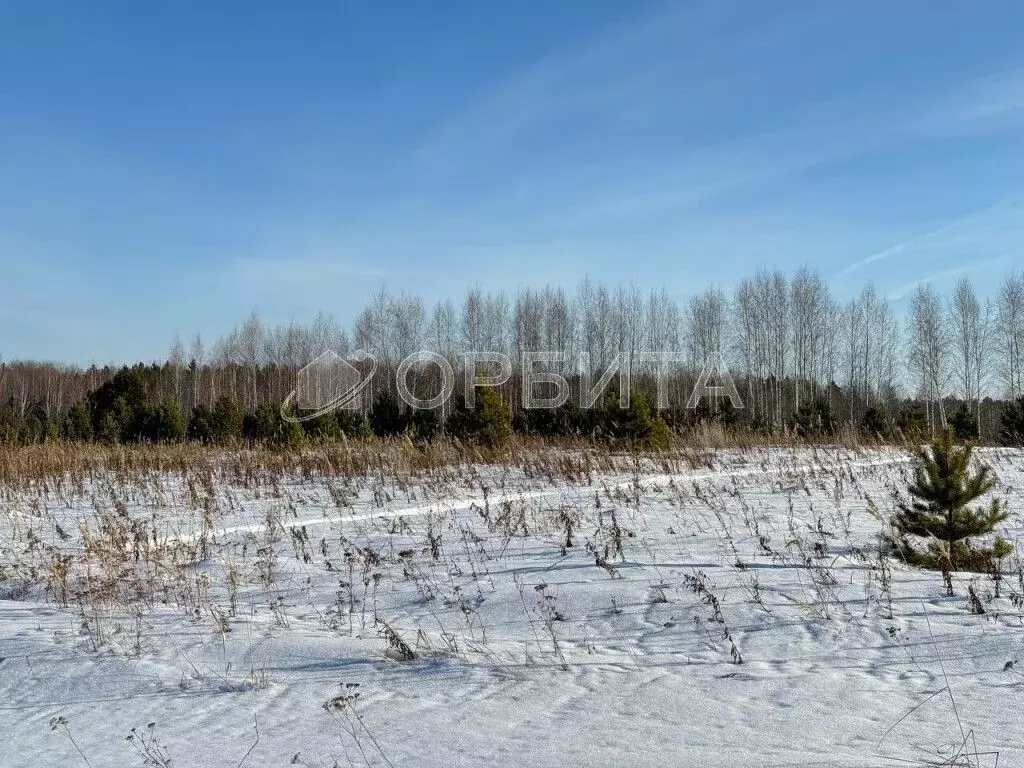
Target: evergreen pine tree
pixel 352 423
pixel 814 420
pixel 10 422
pixel 200 425
pixel 942 489
pixel 226 419
pixel 1013 423
pixel 489 421
pixel 425 424
pixel 165 423
pixel 495 417
pixel 874 424
pixel 78 423
pixel 118 407
pixel 323 427
pixel 266 425
pixel 386 416
pixel 964 424
pixel 635 423
pixel 911 423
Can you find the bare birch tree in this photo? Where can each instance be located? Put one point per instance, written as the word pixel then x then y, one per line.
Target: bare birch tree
pixel 929 351
pixel 1011 334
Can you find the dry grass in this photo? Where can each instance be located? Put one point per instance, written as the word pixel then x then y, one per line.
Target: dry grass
pixel 22 466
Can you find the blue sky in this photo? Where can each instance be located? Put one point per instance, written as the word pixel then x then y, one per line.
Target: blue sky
pixel 169 167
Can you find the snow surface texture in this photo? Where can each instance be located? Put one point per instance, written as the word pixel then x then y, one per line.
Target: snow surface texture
pixel 736 613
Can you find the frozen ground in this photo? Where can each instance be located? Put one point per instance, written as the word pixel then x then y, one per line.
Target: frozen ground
pixel 240 615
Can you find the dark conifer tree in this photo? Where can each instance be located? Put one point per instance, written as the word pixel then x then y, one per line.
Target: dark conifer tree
pixel 1012 423
pixel 935 528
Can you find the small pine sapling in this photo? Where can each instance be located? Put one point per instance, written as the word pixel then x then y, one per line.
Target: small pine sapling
pixel 943 488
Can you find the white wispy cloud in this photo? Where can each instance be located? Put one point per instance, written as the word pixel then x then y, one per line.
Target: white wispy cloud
pixel 598 103
pixel 906 289
pixel 979 106
pixel 563 159
pixel 581 110
pixel 966 228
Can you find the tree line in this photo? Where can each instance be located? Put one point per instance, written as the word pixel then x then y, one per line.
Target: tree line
pixel 803 362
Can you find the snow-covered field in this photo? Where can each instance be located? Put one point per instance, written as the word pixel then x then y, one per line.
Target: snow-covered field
pixel 730 611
